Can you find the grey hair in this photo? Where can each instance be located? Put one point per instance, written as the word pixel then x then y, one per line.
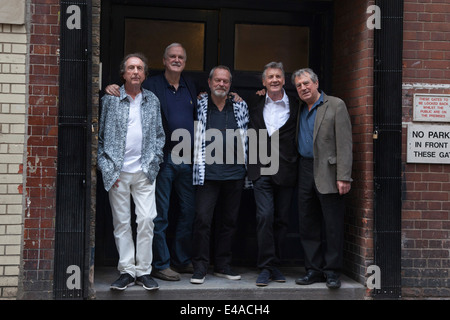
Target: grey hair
pixel 301 72
pixel 175 44
pixel 211 73
pixel 133 55
pixel 273 65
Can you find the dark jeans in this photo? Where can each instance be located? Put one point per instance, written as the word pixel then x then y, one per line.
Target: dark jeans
pixel 177 177
pixel 224 198
pixel 273 206
pixel 317 213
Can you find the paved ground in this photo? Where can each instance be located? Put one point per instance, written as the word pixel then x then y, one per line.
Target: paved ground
pixel 215 288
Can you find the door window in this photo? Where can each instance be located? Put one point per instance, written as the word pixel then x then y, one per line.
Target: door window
pixel 151 37
pixel 256 45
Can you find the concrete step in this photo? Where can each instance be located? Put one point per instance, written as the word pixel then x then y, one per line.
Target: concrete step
pixel 215 288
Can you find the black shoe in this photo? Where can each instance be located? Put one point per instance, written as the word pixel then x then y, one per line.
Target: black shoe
pixel 198 277
pixel 125 280
pixel 264 278
pixel 183 269
pixel 333 281
pixel 147 282
pixel 277 276
pixel 311 277
pixel 226 273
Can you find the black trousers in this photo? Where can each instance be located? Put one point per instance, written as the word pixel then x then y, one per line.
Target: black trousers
pixel 225 196
pixel 273 206
pixel 321 218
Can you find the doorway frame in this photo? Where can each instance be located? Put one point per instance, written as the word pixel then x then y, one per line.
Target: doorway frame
pixel 319 22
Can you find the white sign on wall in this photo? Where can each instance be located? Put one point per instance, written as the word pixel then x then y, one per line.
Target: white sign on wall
pixel 430 107
pixel 428 143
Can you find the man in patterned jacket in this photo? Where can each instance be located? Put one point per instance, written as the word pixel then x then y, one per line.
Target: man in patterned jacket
pixel 130 148
pixel 220 151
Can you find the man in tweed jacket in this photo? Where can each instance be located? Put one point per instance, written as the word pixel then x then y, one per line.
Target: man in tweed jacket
pixel 130 149
pixel 324 143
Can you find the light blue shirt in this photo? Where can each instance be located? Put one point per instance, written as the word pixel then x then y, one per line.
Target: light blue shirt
pixel 306 130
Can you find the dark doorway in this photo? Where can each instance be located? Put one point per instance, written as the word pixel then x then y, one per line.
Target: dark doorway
pixel 239 34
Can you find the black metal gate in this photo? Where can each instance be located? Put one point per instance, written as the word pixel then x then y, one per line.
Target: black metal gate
pixel 74 152
pixel 388 43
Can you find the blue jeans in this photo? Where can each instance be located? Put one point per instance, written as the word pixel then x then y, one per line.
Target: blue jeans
pixel 178 178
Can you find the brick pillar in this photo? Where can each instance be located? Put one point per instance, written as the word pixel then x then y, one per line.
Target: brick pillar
pixel 38 251
pixel 352 82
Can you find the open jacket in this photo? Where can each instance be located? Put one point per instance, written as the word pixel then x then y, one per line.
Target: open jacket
pixel 113 133
pixel 286 174
pixel 242 118
pixel 332 139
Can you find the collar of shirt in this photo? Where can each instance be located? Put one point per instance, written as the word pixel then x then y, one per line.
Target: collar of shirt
pixel 276 113
pixel 284 100
pixel 136 101
pixel 171 87
pixel 318 102
pixel 125 95
pixel 211 104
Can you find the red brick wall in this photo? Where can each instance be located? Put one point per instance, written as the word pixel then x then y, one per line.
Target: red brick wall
pixel 352 82
pixel 38 251
pixel 426 191
pixel 426 188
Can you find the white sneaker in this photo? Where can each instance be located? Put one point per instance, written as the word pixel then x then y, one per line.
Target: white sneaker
pixel 198 277
pixel 227 274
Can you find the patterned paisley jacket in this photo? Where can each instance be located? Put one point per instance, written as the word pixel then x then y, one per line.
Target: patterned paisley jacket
pixel 113 132
pixel 242 118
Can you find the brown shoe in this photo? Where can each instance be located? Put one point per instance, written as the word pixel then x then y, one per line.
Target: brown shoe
pixel 166 274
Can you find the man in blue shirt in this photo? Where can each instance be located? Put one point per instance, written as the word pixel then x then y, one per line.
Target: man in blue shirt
pixel 178 97
pixel 324 134
pixel 305 136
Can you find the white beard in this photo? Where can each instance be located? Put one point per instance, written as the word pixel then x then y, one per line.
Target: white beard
pixel 220 94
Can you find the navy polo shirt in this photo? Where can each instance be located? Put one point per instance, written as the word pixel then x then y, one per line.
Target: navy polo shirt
pixel 180 109
pixel 306 130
